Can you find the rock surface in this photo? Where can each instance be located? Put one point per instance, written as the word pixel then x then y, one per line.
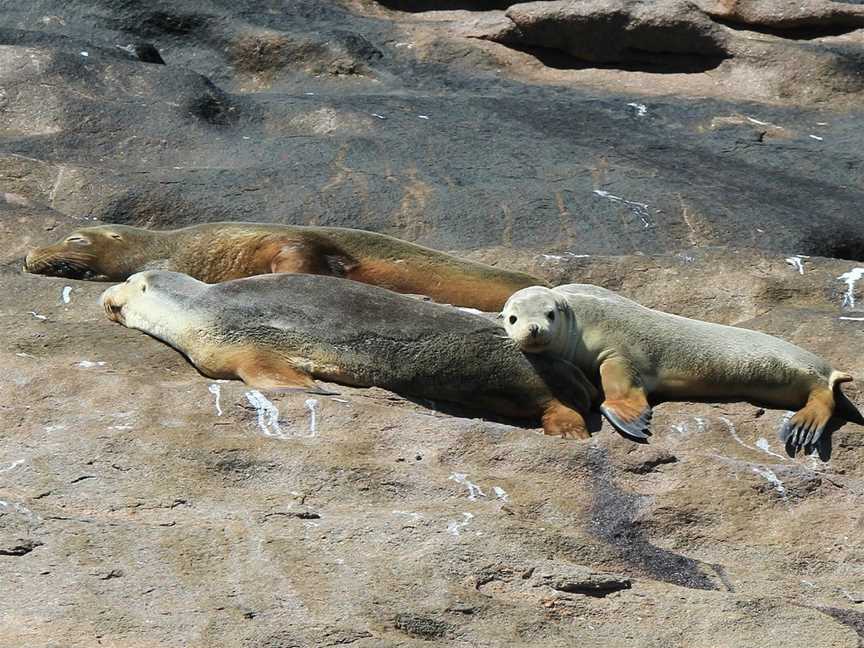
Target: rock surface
pixel 142 504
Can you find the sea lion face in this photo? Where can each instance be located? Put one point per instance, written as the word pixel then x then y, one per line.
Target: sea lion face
pixel 86 253
pixel 156 302
pixel 532 317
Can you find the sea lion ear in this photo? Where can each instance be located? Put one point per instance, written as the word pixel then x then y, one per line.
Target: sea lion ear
pixel 114 235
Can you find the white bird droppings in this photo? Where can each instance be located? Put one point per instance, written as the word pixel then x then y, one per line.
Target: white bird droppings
pixel 473 489
pixel 88 364
pixel 268 414
pixel 851 278
pixel 638 209
pixel 216 390
pixel 311 404
pixel 641 109
pixel 453 527
pixel 797 262
pixel 772 479
pixel 66 294
pixel 12 466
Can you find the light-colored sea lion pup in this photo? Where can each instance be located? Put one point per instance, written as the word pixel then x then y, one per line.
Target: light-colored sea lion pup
pixel 216 252
pixel 285 330
pixel 638 354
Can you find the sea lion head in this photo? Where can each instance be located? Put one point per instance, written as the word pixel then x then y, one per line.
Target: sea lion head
pixel 151 301
pixel 102 252
pixel 535 318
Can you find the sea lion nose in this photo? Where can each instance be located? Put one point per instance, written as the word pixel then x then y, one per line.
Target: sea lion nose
pixel 534 330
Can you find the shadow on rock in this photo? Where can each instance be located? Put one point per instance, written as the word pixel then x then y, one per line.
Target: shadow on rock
pixel 613 519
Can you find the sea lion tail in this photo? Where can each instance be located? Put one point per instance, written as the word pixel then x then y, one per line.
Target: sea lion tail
pixel 843 407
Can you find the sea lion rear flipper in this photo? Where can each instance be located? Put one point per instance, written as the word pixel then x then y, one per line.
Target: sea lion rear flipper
pixel 626 404
pixel 268 373
pixel 803 429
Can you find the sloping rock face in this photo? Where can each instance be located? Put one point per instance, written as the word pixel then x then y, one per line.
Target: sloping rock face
pixel 142 504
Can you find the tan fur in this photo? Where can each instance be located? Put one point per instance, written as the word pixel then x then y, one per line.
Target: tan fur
pixel 637 354
pixel 219 252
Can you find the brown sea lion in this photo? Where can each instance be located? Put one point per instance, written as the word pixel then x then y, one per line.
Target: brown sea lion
pixel 285 330
pixel 217 252
pixel 638 354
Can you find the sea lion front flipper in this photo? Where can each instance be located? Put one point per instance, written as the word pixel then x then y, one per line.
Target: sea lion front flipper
pixel 626 404
pixel 310 258
pixel 565 422
pixel 269 373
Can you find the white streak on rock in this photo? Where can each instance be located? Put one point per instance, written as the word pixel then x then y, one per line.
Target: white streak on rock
pixel 641 109
pixel 851 278
pixel 87 364
pixel 268 414
pixel 797 262
pixel 473 489
pixel 37 315
pixel 763 445
pixel 216 390
pixel 66 294
pixel 756 121
pixel 25 355
pixel 473 311
pixel 311 403
pixel 772 479
pixel 500 493
pixel 817 138
pixel 453 527
pixel 853 319
pixel 638 209
pixel 12 466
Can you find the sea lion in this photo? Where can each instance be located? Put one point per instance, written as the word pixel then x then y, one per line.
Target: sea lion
pixel 639 354
pixel 217 252
pixel 285 330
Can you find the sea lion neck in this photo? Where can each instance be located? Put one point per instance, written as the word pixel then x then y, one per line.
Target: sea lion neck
pixel 149 250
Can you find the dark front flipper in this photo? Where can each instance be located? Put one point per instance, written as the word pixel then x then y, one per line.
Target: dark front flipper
pixel 626 404
pixel 629 422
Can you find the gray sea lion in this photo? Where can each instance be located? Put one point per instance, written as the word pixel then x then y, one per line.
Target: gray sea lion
pixel 286 330
pixel 216 252
pixel 638 354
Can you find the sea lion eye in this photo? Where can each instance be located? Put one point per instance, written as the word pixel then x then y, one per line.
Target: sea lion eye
pixel 551 315
pixel 77 240
pixel 143 288
pixel 512 319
